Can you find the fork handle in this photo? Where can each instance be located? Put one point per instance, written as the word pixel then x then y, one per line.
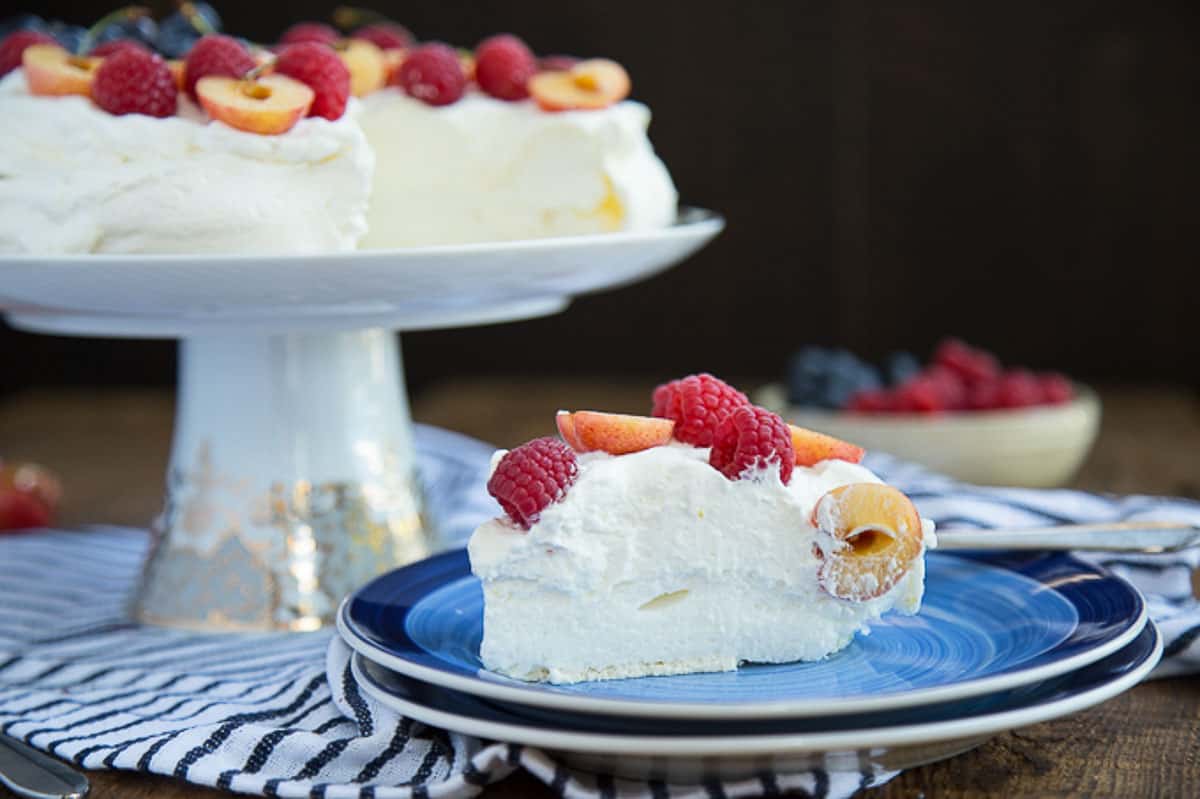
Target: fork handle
pixel 1144 537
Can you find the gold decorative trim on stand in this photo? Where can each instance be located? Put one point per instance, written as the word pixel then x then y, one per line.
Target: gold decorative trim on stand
pixel 228 557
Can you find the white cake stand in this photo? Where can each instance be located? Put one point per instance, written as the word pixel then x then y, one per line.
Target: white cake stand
pixel 291 478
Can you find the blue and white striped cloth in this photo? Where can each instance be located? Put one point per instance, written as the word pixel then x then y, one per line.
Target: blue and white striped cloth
pixel 280 714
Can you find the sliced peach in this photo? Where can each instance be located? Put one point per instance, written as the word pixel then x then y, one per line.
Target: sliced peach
pixel 52 71
pixel 466 59
pixel 870 535
pixel 392 59
pixel 269 105
pixel 177 72
pixel 566 428
pixel 592 84
pixel 367 65
pixel 614 433
pixel 812 447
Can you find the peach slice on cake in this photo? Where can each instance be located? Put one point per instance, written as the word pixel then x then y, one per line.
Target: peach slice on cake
pixel 812 447
pixel 393 57
pixel 869 534
pixel 268 105
pixel 466 60
pixel 593 84
pixel 614 433
pixel 367 64
pixel 178 72
pixel 565 420
pixel 52 71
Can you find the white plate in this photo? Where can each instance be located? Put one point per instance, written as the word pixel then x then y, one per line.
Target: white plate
pixel 415 287
pixel 731 756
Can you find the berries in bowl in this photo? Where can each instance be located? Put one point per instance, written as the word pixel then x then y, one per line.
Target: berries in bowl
pixel 962 413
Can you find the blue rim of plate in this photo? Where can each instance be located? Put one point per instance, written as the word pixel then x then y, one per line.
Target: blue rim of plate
pixel 1089 612
pixel 947 721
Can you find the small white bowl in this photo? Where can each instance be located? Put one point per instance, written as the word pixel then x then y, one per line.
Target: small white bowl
pixel 1038 447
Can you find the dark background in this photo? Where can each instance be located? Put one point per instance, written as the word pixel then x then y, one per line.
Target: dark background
pixel 1020 174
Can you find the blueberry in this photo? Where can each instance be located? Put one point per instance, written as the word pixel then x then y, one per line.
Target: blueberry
pixel 900 366
pixel 179 31
pixel 174 41
pixel 69 36
pixel 805 376
pixel 22 22
pixel 842 387
pixel 827 378
pixel 143 30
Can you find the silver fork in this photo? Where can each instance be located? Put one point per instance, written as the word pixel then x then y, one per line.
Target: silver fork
pixel 1134 537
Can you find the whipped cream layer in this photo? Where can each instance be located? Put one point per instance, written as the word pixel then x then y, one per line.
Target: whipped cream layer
pixel 487 170
pixel 654 563
pixel 75 179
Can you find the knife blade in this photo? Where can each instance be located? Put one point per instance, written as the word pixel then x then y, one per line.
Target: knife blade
pixel 30 773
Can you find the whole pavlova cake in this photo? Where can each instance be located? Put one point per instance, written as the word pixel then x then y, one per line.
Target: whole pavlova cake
pixel 322 143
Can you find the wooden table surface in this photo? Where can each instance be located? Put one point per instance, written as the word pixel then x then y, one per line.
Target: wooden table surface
pixel 110 449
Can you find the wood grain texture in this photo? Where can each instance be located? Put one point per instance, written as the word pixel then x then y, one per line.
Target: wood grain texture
pixel 110 449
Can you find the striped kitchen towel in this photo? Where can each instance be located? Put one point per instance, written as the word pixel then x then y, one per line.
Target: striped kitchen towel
pixel 280 714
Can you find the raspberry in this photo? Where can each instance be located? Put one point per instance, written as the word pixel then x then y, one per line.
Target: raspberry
pixel 1056 388
pixel 752 438
pixel 216 54
pixel 951 387
pixel 20 510
pixel 323 71
pixel 385 35
pixel 1019 389
pixel 135 81
pixel 971 364
pixel 697 404
pixel 503 67
pixel 919 395
pixel 875 400
pixel 13 45
pixel 531 477
pixel 309 32
pixel 432 73
pixel 984 396
pixel 108 48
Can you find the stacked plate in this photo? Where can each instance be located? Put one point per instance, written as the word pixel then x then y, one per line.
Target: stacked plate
pixel 1000 643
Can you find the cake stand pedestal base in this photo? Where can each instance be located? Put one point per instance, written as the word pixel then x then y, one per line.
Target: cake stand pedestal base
pixel 292 480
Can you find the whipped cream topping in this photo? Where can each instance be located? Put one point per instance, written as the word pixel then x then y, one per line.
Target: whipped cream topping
pixel 603 524
pixel 75 179
pixel 655 563
pixel 487 170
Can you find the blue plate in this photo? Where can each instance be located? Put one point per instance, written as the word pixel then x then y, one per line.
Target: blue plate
pixel 979 715
pixel 986 625
pixel 672 750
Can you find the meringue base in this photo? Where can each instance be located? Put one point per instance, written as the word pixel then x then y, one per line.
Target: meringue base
pixel 542 635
